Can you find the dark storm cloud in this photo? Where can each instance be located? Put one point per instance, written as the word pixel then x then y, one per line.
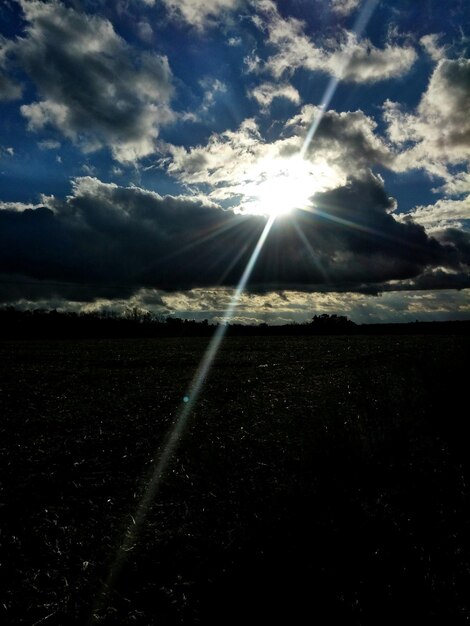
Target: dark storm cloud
pixel 438 280
pixel 458 238
pixel 93 86
pixel 20 287
pixel 105 241
pixel 353 238
pixel 105 234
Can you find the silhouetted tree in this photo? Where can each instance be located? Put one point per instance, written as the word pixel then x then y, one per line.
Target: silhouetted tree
pixel 331 323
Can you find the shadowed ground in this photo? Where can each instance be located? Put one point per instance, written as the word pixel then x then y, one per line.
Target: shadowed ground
pixel 320 478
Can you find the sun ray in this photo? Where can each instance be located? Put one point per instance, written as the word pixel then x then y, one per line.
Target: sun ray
pixel 235 260
pixel 350 224
pixel 205 236
pixel 310 250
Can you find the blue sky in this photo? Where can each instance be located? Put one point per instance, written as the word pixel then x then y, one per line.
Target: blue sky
pixel 144 143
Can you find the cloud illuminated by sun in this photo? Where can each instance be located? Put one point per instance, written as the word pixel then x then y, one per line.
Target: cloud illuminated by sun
pixel 276 186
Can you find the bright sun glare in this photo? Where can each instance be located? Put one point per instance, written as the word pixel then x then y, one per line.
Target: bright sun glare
pixel 277 186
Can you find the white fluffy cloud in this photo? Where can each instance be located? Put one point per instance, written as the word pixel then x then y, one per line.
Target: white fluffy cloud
pixel 93 87
pixel 436 138
pixel 224 158
pixel 438 132
pixel 360 61
pixel 346 139
pixel 347 57
pixel 445 213
pixel 18 207
pixel 199 13
pixel 457 184
pixel 265 93
pixel 431 45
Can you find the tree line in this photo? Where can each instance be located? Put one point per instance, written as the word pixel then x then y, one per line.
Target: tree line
pixel 136 322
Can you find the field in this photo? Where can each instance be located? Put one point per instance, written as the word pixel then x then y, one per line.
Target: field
pixel 319 480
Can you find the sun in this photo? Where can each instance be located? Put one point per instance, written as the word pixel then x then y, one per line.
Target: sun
pixel 274 187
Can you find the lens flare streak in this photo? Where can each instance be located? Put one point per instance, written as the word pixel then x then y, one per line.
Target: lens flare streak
pixel 174 436
pixel 359 27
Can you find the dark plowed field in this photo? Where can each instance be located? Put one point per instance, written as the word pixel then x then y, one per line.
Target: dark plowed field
pixel 319 480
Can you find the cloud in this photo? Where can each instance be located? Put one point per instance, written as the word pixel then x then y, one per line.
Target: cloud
pixel 16 206
pixel 104 234
pixel 430 44
pixel 445 213
pixel 254 308
pixel 145 31
pixel 299 306
pixel 344 7
pixel 360 237
pixel 436 279
pixel 9 90
pixel 113 240
pixel 346 57
pixel 224 158
pixel 200 13
pixel 6 151
pixel 347 139
pixel 265 93
pixel 231 163
pixel 212 88
pixel 359 61
pixel 49 144
pixel 457 184
pixel 458 238
pixel 93 87
pixel 438 132
pixel 228 167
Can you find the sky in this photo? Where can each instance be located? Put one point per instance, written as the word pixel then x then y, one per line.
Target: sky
pixel 145 145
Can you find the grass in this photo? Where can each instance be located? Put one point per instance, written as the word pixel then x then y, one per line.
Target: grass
pixel 320 479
